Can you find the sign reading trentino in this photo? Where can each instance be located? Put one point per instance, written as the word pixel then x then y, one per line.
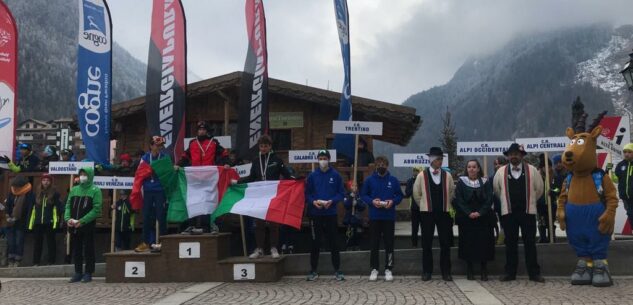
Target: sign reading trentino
pixel 357 127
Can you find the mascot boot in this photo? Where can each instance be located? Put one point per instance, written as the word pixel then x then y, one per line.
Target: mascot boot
pixel 587 202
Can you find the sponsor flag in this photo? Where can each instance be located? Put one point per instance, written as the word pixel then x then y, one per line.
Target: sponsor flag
pixel 94 78
pixel 344 143
pixel 167 75
pixel 253 102
pixel 8 81
pixel 192 191
pixel 275 201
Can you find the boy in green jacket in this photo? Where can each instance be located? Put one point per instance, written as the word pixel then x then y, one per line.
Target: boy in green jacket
pixel 83 207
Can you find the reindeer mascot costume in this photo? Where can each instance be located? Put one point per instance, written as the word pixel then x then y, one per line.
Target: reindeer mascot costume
pixel 587 204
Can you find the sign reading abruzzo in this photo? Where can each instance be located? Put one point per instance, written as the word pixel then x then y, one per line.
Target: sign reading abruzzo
pixel 412 160
pixel 357 127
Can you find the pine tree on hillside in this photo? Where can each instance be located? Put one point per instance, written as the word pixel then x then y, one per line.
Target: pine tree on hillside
pixel 448 139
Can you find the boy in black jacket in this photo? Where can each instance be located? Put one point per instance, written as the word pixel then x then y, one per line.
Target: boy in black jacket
pixel 124 222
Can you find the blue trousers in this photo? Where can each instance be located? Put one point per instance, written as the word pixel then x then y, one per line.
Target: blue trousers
pixel 582 230
pixel 153 209
pixel 15 242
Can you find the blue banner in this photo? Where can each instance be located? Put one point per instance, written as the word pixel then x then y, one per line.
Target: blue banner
pixel 94 78
pixel 344 143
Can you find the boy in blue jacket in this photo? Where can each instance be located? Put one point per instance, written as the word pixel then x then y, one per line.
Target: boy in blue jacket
pixel 382 193
pixel 324 189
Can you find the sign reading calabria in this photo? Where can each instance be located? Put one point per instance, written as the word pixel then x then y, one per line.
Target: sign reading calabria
pixel 482 148
pixel 544 144
pixel 67 168
pixel 412 160
pixel 357 127
pixel 308 156
pixel 114 183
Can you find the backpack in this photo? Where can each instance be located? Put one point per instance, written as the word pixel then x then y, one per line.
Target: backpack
pixel 597 175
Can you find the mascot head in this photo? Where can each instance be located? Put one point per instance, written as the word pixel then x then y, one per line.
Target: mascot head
pixel 580 155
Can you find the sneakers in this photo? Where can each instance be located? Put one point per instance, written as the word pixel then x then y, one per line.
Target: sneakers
pixel 256 254
pixel 214 229
pixel 76 278
pixel 87 278
pixel 601 274
pixel 313 276
pixel 388 275
pixel 373 276
pixel 143 247
pixel 187 231
pixel 582 274
pixel 197 231
pixel 338 275
pixel 155 248
pixel 274 253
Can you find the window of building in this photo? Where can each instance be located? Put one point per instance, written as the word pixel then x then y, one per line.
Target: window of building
pixel 282 139
pixel 28 125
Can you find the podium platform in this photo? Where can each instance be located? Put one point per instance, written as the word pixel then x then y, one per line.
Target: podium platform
pixel 190 258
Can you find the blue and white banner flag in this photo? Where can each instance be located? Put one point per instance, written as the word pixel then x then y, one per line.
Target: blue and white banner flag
pixel 94 78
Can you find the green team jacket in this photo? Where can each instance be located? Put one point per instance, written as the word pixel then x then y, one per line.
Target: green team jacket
pixel 84 201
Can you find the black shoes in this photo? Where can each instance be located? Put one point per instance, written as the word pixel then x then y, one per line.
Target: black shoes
pixel 507 278
pixel 537 278
pixel 470 274
pixel 447 277
pixel 426 277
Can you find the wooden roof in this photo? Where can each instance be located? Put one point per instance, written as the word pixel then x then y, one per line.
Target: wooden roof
pixel 399 122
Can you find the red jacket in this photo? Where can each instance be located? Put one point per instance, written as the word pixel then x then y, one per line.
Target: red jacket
pixel 205 152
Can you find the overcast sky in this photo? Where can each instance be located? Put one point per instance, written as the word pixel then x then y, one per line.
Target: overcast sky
pixel 399 47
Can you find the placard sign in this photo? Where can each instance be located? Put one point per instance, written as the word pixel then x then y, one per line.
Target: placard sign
pixel 243 272
pixel 308 156
pixel 243 170
pixel 225 141
pixel 189 250
pixel 357 127
pixel 113 183
pixel 134 269
pixel 494 148
pixel 615 134
pixel 412 160
pixel 67 168
pixel 544 144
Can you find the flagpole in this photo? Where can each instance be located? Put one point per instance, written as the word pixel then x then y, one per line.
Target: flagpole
pixel 485 166
pixel 112 237
pixel 72 177
pixel 243 235
pixel 548 200
pixel 355 170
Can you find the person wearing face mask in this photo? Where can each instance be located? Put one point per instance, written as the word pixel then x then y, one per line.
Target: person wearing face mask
pixel 382 193
pixel 204 150
pixel 323 191
pixel 267 166
pixel 44 219
pixel 433 190
pixel 83 207
pixel 518 186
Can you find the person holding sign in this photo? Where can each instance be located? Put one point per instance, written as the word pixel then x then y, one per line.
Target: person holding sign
pixel 433 190
pixel 518 186
pixel 382 192
pixel 267 166
pixel 475 219
pixel 45 216
pixel 323 191
pixel 82 209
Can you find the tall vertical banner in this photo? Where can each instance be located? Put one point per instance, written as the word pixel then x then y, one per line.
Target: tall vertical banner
pixel 165 100
pixel 94 78
pixel 8 81
pixel 253 101
pixel 344 143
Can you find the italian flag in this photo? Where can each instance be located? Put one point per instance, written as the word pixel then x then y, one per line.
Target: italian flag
pixel 143 171
pixel 192 191
pixel 275 201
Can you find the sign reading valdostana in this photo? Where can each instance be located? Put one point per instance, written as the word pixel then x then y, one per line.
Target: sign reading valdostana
pixel 225 141
pixel 357 127
pixel 243 170
pixel 113 183
pixel 308 156
pixel 544 144
pixel 488 148
pixel 615 134
pixel 412 160
pixel 67 168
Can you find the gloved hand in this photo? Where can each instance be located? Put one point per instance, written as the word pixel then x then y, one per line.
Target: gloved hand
pixel 607 222
pixel 560 214
pixel 5 159
pixel 609 167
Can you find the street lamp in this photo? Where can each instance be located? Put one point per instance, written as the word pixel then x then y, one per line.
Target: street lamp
pixel 627 72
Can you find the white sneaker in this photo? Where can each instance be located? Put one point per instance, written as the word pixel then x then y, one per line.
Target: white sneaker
pixel 274 253
pixel 256 254
pixel 373 276
pixel 388 275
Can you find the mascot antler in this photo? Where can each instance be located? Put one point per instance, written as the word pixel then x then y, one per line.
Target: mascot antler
pixel 596 121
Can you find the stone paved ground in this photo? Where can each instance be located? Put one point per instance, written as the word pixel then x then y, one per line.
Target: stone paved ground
pixel 356 290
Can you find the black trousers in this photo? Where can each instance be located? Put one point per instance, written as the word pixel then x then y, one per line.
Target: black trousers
pixel 41 232
pixel 324 227
pixel 84 248
pixel 527 224
pixel 444 224
pixel 416 224
pixel 381 229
